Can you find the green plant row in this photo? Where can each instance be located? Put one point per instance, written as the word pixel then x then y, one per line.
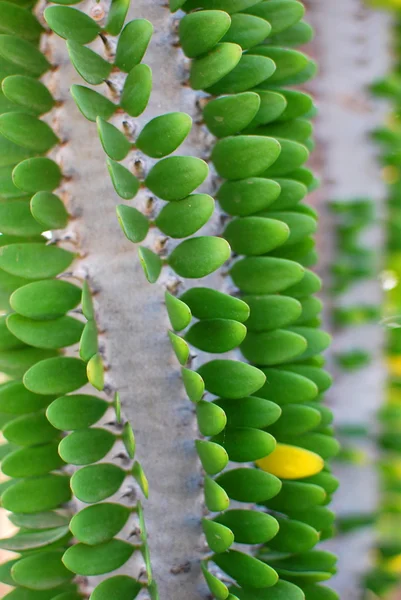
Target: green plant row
pixel 36 403
pixel 260 154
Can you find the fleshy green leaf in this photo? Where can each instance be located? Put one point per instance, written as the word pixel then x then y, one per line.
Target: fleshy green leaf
pixel 37 174
pixel 249 485
pixel 137 89
pixel 32 462
pixel 34 261
pixel 210 68
pixel 15 20
pixel 175 177
pixel 218 536
pixel 125 183
pixel 182 219
pixel 247 30
pixel 211 418
pixel 198 257
pixel 114 142
pixel 37 494
pixel 271 312
pixel 77 411
pixel 162 135
pixel 201 31
pixel 216 499
pixel 87 302
pixel 95 372
pixel 91 103
pixel 273 347
pixel 256 235
pixel 250 72
pixel 129 440
pixel 292 156
pixel 45 299
pixel 71 24
pixel 56 376
pixel 44 520
pixel 88 344
pixel 151 264
pixel 15 399
pixel 194 384
pixel 25 58
pixel 281 14
pixel 97 482
pixel 92 67
pixel 139 475
pixel 240 157
pixel 132 44
pixel 283 386
pixel 133 223
pixel 41 571
pixel 250 411
pixel 28 93
pixel 294 536
pixel 216 335
pixel 178 312
pixel 213 457
pixel 230 378
pixel 296 495
pixel 86 446
pixel 249 526
pixel 57 333
pixel 32 541
pixel 283 590
pixel 49 211
pixel 28 430
pixel 117 13
pixel 217 587
pixel 245 444
pixel 120 586
pixel 230 114
pixel 180 347
pixel 246 570
pixel 266 275
pixel 99 523
pixel 206 303
pixel 16 219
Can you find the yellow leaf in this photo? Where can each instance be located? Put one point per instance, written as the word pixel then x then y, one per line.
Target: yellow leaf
pixel 291 462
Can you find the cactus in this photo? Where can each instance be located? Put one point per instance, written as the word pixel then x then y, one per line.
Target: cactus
pixel 260 405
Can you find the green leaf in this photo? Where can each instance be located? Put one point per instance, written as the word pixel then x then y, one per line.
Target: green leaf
pixel 317 341
pixel 174 5
pixel 296 495
pixel 117 13
pixel 308 285
pixel 56 376
pixel 283 386
pixel 34 261
pixel 219 537
pixel 49 211
pixel 11 153
pixel 139 475
pixel 194 384
pixel 297 35
pixel 246 197
pixel 97 482
pixel 298 104
pixel 216 587
pixel 319 592
pixel 271 312
pixel 211 418
pixel 216 498
pixel 132 44
pixel 198 257
pixel 206 303
pixel 272 347
pixel 32 462
pixel 311 309
pixel 296 419
pixel 120 586
pixel 321 378
pixel 299 130
pixel 213 457
pixel 256 235
pixel 248 73
pixel 281 14
pixel 283 590
pixel 5 572
pixel 95 372
pixel 99 523
pixel 44 520
pixel 129 440
pixel 266 275
pixel 57 333
pixel 249 526
pixel 114 142
pixel 272 106
pixel 300 225
pixel 117 406
pixel 162 135
pixel 88 344
pixel 178 312
pixel 28 93
pixel 243 156
pixel 137 90
pixel 245 444
pixel 249 485
pixel 230 6
pixel 45 299
pixel 86 446
pixel 15 363
pixel 231 378
pixel 92 67
pixel 41 571
pixel 292 156
pixel 151 263
pixel 323 445
pixel 250 411
pixel 201 31
pixel 175 177
pixel 24 57
pixel 210 68
pixel 180 347
pixel 308 567
pixel 37 494
pixel 133 223
pixel 17 21
pixel 76 412
pixel 15 399
pixel 230 114
pixel 87 302
pixel 8 341
pixel 216 335
pixel 91 103
pixel 288 62
pixel 294 536
pixel 71 24
pixel 125 183
pixel 182 219
pixel 16 219
pixel 29 430
pixel 247 30
pixel 36 175
pixel 32 541
pixel 246 570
